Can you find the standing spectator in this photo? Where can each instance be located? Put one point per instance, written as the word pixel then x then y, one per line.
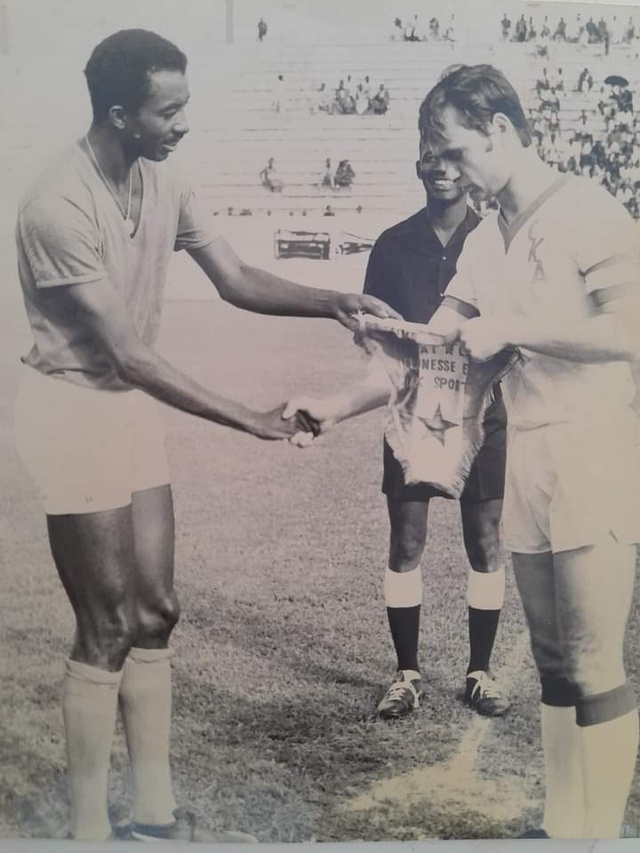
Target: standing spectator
pixel 561 31
pixel 630 31
pixel 521 29
pixel 327 176
pixel 434 29
pixel 531 30
pixel 262 29
pixel 506 27
pixel 584 78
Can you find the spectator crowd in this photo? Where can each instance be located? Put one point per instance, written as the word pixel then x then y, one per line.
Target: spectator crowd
pixel 351 98
pixel 578 30
pixel 601 142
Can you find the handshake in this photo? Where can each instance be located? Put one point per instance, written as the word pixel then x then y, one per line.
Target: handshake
pixel 301 420
pixel 312 416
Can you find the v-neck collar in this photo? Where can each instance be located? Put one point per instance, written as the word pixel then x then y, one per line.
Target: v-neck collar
pixel 509 232
pixel 462 230
pixel 105 188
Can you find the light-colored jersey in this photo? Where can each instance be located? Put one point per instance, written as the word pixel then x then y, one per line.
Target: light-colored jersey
pixel 70 231
pixel 574 241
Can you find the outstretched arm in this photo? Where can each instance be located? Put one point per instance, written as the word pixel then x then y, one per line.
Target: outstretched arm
pixel 101 310
pixel 323 413
pixel 612 334
pixel 257 290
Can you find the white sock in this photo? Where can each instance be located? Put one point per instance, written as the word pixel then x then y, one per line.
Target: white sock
pixel 90 704
pixel 145 704
pixel 609 752
pixel 564 791
pixel 485 590
pixel 403 589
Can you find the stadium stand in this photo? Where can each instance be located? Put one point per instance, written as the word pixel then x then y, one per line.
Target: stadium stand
pixel 573 127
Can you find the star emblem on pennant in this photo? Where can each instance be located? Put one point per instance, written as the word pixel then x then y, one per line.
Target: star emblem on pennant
pixel 438 425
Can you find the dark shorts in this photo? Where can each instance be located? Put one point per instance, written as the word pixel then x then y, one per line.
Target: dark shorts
pixel 486 478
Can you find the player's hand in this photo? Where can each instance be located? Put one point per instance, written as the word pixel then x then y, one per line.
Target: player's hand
pixel 317 416
pixel 349 304
pixel 272 425
pixel 483 337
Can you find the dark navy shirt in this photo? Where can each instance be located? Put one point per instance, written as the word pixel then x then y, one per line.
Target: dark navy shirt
pixel 410 269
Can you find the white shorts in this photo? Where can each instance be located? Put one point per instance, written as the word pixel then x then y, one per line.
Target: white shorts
pixel 88 450
pixel 572 485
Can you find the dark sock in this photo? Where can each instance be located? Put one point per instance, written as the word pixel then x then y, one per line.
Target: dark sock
pixel 405 629
pixel 483 626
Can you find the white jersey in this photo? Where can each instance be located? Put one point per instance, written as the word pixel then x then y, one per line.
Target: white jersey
pixel 554 262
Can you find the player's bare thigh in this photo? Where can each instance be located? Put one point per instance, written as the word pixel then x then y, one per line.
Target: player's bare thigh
pixel 95 557
pixel 594 591
pixel 577 605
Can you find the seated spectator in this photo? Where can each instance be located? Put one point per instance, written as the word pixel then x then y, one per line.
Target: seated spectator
pixel 325 104
pixel 380 101
pixel 344 102
pixel 450 32
pixel 434 29
pixel 270 178
pixel 361 101
pixel 344 175
pixel 545 32
pixel 328 211
pixel 543 83
pixel 410 31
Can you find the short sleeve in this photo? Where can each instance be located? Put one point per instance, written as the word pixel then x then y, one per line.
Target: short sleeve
pixel 60 242
pixel 461 291
pixel 375 278
pixel 606 244
pixel 195 226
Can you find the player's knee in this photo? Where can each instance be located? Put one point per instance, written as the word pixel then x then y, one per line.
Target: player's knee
pixel 548 656
pixel 157 619
pixel 405 551
pixel 483 549
pixel 594 674
pixel 105 641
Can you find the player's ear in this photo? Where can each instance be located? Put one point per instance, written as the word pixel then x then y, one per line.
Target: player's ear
pixel 117 117
pixel 418 170
pixel 501 126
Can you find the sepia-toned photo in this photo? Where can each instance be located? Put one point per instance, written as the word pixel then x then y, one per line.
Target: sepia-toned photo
pixel 319 441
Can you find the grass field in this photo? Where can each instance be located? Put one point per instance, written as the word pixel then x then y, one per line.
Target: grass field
pixel 283 649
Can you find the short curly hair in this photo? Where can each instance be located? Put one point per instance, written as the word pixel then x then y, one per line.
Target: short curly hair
pixel 477 93
pixel 119 67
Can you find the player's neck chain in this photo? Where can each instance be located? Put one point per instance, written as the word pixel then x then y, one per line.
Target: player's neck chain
pixel 126 214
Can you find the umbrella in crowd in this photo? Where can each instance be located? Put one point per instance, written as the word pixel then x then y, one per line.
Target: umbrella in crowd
pixel 616 80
